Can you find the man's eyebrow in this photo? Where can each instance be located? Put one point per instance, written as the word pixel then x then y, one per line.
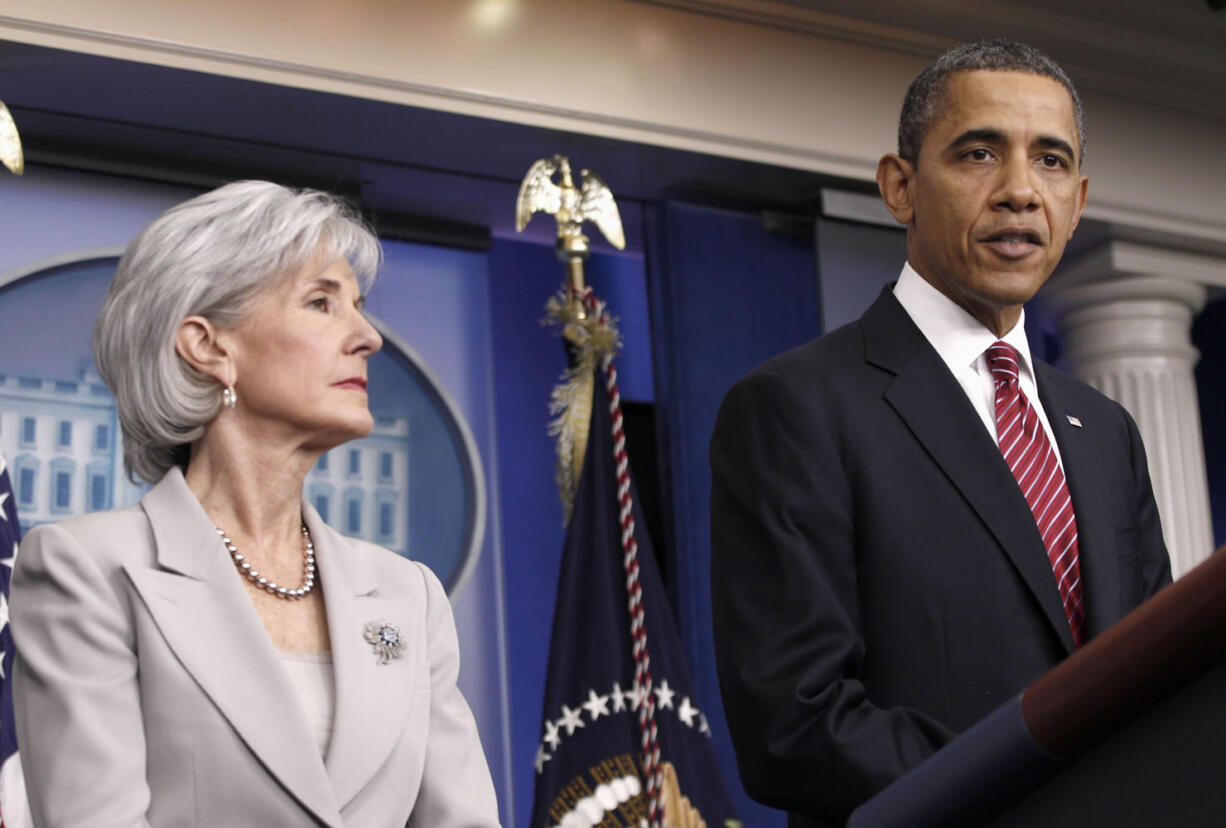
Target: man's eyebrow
pixel 1059 144
pixel 987 135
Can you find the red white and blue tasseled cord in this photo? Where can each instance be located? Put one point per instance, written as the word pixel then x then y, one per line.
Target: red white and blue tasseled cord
pixel 634 592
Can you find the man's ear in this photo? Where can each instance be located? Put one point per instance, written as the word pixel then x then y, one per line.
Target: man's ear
pixel 1083 190
pixel 894 175
pixel 199 344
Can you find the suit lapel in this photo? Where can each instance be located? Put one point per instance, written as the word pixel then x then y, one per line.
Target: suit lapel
pixel 1095 541
pixel 372 699
pixel 934 407
pixel 199 605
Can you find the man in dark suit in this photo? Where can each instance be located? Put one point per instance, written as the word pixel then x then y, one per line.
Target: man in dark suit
pixel 911 518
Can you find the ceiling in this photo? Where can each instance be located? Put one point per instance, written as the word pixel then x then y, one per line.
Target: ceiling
pixel 1165 52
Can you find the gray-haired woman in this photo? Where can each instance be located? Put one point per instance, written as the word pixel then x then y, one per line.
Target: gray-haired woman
pixel 217 655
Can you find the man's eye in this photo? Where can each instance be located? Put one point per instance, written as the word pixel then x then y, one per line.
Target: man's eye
pixel 1052 162
pixel 979 154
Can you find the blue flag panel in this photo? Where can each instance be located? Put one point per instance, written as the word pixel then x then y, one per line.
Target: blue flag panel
pixel 589 761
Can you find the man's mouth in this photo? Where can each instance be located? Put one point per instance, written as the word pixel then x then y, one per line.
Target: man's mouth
pixel 1013 242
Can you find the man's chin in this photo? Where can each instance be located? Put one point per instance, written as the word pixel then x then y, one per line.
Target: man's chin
pixel 1013 288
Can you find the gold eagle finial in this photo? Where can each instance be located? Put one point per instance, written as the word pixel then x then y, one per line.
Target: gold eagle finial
pixel 10 143
pixel 571 206
pixel 592 337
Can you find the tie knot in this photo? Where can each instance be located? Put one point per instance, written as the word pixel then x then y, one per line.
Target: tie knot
pixel 1002 360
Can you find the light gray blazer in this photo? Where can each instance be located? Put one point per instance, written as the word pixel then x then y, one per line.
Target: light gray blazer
pixel 148 692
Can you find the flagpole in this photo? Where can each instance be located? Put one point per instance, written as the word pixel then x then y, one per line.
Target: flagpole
pixel 593 342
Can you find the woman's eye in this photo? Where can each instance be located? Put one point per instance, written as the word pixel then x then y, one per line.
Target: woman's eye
pixel 320 304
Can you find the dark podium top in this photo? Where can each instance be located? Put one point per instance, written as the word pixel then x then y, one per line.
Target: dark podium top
pixel 1129 730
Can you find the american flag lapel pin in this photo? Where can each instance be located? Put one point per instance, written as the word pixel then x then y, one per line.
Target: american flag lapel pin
pixel 1073 421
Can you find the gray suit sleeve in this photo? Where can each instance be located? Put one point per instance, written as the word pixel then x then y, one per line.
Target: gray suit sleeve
pixel 456 788
pixel 76 696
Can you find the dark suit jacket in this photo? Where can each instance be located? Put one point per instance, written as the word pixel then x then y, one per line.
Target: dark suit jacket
pixel 879 582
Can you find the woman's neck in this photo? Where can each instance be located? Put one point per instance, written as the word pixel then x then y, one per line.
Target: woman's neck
pixel 250 488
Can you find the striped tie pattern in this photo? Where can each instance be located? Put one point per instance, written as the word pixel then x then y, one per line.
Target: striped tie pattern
pixel 1033 461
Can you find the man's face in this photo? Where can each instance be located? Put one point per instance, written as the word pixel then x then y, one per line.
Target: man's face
pixel 995 193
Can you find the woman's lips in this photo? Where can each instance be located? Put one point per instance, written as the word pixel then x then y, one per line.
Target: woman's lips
pixel 353 383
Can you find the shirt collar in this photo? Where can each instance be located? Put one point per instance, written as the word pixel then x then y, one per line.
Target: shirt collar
pixel 959 338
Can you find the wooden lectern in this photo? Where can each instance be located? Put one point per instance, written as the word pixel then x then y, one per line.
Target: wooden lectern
pixel 1130 730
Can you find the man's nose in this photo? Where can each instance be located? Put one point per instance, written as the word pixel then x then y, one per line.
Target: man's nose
pixel 1017 185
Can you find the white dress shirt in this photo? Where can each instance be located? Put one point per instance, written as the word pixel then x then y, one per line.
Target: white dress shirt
pixel 961 341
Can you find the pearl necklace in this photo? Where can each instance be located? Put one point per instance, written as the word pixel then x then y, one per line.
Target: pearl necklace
pixel 259 580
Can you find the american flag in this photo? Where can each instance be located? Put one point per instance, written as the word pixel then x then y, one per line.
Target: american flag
pixel 591 757
pixel 14 811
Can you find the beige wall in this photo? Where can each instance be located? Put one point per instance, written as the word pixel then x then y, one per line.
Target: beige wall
pixel 628 70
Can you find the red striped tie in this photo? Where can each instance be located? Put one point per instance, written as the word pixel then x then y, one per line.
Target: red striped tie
pixel 1033 462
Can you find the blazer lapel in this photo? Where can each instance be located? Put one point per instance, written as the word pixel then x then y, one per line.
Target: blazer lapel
pixel 1095 533
pixel 200 606
pixel 934 406
pixel 372 699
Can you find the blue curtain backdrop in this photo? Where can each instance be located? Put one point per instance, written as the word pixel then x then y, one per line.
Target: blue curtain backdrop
pixel 725 296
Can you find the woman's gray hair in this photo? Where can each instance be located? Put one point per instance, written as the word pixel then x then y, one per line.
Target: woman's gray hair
pixel 210 256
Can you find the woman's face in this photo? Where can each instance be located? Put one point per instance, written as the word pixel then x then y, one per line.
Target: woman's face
pixel 300 359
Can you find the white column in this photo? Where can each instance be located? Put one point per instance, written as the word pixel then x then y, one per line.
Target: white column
pixel 1128 333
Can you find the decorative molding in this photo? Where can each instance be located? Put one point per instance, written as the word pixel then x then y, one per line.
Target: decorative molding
pixel 790 18
pixel 1118 259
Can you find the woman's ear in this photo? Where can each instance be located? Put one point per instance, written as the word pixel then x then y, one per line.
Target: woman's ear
pixel 199 344
pixel 894 175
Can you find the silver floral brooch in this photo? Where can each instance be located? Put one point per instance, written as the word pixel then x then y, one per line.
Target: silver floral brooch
pixel 385 639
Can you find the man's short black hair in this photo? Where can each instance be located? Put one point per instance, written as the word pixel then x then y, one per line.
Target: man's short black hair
pixel 927 92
